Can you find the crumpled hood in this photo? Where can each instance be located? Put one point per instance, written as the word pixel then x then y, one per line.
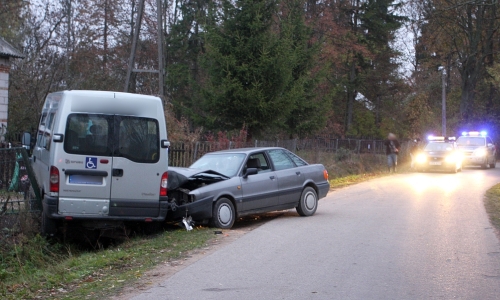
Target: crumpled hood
pixel 179 176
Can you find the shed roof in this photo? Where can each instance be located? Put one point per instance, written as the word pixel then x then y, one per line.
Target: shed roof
pixel 8 50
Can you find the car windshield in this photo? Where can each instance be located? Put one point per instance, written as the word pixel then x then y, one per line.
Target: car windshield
pixel 471 141
pixel 438 147
pixel 227 164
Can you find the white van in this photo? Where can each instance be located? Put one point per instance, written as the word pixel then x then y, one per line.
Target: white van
pixel 100 159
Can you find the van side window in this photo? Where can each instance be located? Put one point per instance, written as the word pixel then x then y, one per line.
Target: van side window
pixel 50 121
pixel 138 139
pixel 88 134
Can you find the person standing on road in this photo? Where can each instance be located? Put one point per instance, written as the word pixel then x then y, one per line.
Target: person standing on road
pixel 392 147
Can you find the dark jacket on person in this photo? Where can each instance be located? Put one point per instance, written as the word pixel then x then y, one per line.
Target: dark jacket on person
pixel 392 148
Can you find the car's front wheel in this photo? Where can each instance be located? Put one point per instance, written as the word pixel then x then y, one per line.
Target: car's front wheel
pixel 308 202
pixel 224 214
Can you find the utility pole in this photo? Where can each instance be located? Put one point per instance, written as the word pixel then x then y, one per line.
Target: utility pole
pixel 131 59
pixel 159 25
pixel 443 100
pixel 133 51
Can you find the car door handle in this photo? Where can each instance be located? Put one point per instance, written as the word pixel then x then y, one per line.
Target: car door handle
pixel 117 172
pixel 272 177
pixel 298 173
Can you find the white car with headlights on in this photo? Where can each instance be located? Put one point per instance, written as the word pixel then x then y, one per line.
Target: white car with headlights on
pixel 478 149
pixel 439 154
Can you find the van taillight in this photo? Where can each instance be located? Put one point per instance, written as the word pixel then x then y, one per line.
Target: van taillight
pixel 54 180
pixel 163 184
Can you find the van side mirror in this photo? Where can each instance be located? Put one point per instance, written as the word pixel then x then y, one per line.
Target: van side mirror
pixel 250 171
pixel 58 138
pixel 165 143
pixel 26 140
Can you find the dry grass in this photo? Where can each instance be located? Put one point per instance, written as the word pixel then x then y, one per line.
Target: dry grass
pixel 492 205
pixel 349 166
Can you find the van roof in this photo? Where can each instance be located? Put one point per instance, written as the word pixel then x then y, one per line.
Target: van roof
pixel 108 102
pixel 112 94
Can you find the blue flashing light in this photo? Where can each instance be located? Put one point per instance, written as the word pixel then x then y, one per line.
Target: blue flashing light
pixel 484 133
pixel 464 133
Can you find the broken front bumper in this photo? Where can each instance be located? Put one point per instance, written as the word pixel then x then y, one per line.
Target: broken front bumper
pixel 198 210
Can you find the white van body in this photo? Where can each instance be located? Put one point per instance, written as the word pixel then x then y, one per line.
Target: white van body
pixel 101 156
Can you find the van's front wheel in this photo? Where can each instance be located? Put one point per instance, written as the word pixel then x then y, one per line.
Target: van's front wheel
pixel 49 226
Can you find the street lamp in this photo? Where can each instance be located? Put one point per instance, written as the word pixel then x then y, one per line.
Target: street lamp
pixel 443 99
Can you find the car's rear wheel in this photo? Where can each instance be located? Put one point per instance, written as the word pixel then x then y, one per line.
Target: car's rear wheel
pixel 223 214
pixel 308 202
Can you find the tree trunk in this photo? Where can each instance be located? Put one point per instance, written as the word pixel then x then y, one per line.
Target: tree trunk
pixel 468 85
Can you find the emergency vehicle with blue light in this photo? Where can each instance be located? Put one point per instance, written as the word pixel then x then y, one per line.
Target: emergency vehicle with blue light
pixel 477 148
pixel 440 153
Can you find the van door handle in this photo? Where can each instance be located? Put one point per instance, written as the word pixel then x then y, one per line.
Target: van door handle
pixel 34 158
pixel 117 172
pixel 271 177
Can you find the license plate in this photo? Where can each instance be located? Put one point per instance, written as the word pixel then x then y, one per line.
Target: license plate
pixel 85 179
pixel 435 163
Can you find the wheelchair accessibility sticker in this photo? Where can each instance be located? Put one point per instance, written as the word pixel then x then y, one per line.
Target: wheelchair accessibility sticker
pixel 91 163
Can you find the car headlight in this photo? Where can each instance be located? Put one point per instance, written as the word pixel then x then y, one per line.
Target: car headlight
pixel 480 152
pixel 421 158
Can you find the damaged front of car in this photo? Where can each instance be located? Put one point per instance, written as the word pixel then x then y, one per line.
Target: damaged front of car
pixel 192 191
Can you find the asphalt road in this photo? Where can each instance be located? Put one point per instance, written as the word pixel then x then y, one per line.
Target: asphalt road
pixel 407 236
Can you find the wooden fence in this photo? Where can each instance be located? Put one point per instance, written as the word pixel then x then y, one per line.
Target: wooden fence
pixel 183 154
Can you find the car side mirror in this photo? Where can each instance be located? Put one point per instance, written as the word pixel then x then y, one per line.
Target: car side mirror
pixel 250 171
pixel 165 144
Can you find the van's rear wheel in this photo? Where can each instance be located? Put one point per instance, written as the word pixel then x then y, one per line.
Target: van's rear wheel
pixel 49 226
pixel 223 214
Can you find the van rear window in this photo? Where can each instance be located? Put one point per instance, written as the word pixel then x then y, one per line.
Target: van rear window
pixel 88 134
pixel 139 139
pixel 134 138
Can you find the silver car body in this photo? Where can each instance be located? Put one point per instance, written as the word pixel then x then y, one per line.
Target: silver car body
pixel 278 185
pixel 109 150
pixel 477 150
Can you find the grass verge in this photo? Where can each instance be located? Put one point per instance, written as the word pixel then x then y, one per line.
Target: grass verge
pixel 345 181
pixel 32 268
pixel 492 205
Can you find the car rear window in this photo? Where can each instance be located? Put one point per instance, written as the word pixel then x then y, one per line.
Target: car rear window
pixel 297 160
pixel 471 141
pixel 88 134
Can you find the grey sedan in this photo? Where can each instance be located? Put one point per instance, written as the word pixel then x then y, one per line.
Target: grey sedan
pixel 222 186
